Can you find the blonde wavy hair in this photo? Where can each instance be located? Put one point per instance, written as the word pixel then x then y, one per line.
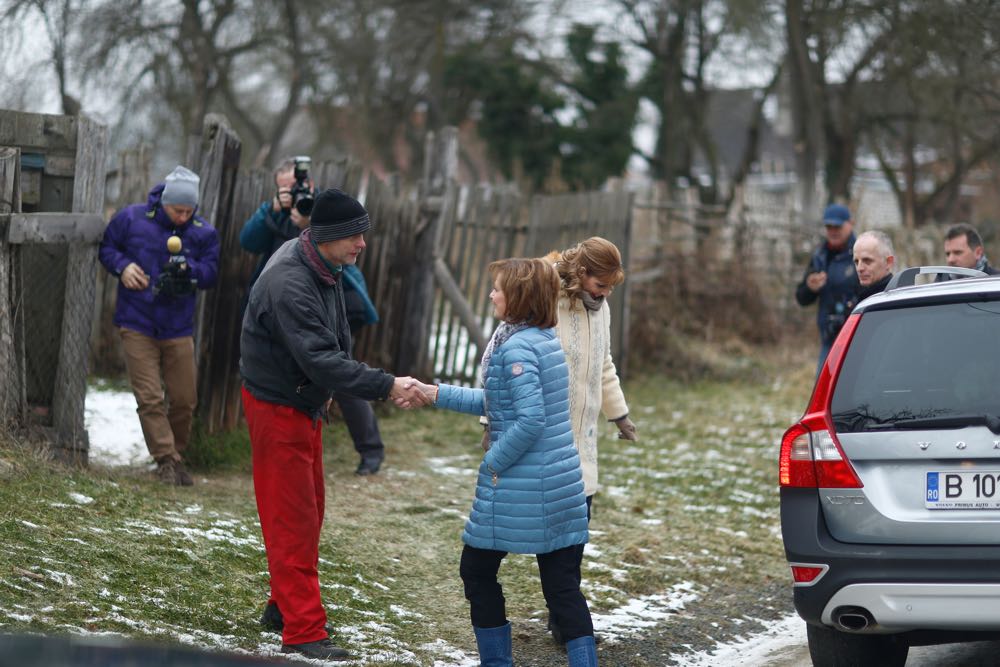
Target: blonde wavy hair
pixel 597 257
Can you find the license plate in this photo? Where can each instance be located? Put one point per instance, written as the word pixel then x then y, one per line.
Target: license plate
pixel 979 490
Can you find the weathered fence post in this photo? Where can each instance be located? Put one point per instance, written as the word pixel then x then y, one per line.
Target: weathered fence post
pixel 11 368
pixel 437 204
pixel 78 309
pixel 217 320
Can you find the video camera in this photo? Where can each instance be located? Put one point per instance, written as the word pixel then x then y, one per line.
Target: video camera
pixel 175 277
pixel 302 196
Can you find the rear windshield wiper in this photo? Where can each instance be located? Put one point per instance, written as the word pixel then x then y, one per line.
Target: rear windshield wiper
pixel 992 422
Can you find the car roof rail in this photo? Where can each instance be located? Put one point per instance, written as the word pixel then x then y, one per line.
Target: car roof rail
pixel 908 277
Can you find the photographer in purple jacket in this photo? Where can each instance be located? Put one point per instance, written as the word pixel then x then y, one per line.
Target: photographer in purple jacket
pixel 162 252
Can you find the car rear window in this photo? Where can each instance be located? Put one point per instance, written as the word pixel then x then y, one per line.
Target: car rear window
pixel 919 363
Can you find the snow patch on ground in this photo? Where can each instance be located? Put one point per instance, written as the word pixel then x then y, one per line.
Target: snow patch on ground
pixel 453 465
pixel 756 649
pixel 644 612
pixel 113 428
pixel 455 657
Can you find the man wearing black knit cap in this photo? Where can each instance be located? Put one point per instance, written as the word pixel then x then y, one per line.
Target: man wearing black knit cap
pixel 294 354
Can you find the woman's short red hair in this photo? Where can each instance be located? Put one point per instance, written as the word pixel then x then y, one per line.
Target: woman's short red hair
pixel 531 290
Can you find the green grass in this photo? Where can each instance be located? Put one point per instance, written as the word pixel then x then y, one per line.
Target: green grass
pixel 686 513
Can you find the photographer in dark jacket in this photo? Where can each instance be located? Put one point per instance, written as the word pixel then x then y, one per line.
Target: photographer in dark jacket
pixel 830 278
pixel 276 220
pixel 294 355
pixel 358 414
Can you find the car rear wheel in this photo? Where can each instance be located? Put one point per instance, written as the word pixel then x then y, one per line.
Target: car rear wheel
pixel 832 648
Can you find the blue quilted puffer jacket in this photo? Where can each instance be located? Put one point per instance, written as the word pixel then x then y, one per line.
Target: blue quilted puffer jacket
pixel 529 495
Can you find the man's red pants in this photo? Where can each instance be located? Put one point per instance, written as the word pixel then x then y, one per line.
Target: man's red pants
pixel 288 482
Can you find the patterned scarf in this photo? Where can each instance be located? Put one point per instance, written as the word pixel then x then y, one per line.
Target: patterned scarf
pixel 327 271
pixel 500 336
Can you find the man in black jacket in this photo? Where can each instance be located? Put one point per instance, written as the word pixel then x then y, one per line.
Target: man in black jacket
pixel 873 261
pixel 294 355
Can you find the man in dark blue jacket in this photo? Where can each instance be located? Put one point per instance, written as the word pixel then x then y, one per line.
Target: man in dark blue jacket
pixel 830 278
pixel 162 252
pixel 272 224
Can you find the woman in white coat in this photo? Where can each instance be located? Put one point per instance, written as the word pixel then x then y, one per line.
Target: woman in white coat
pixel 588 273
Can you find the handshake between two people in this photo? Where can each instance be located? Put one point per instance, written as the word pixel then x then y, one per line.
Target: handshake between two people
pixel 408 392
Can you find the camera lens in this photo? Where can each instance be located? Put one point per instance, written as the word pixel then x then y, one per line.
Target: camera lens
pixel 304 205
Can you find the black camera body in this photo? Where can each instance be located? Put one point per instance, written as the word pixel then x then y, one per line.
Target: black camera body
pixel 302 195
pixel 837 316
pixel 175 279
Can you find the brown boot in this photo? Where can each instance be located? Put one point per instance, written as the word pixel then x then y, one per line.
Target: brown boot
pixel 166 471
pixel 183 478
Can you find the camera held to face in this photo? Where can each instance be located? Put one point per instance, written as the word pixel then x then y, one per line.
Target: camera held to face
pixel 302 196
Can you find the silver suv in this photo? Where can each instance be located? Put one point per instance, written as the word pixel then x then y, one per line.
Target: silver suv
pixel 890 482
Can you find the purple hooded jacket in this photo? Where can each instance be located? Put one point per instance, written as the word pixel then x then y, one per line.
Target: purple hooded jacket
pixel 139 233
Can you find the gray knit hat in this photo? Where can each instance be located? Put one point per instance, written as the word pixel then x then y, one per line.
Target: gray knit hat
pixel 181 188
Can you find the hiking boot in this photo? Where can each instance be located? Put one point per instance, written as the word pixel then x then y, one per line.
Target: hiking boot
pixel 166 472
pixel 368 466
pixel 272 619
pixel 324 649
pixel 183 478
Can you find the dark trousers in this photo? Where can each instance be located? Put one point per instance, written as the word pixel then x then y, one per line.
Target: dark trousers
pixel 579 549
pixel 362 425
pixel 561 588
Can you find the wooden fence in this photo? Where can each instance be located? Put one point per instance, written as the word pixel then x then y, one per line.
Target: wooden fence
pixel 425 263
pixel 487 223
pixel 51 191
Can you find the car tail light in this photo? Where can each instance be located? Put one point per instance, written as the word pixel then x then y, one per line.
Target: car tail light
pixel 810 454
pixel 807 574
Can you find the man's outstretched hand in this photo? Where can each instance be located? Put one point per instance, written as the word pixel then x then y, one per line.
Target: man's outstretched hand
pixel 409 393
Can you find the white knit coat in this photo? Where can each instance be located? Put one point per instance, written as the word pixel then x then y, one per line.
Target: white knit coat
pixel 593 381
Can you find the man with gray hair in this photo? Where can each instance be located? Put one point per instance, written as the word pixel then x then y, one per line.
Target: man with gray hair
pixel 873 262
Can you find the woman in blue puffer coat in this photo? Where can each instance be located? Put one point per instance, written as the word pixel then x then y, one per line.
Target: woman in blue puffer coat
pixel 529 494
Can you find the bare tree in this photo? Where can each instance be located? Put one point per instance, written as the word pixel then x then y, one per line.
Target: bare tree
pixel 682 37
pixel 939 116
pixel 58 19
pixel 192 56
pixel 384 60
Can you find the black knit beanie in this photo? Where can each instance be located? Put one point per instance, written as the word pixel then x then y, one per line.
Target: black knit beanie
pixel 336 215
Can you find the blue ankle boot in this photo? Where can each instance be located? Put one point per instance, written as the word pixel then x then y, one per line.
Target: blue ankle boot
pixel 495 648
pixel 582 652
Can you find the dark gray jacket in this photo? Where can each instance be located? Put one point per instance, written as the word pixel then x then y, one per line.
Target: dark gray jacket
pixel 295 345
